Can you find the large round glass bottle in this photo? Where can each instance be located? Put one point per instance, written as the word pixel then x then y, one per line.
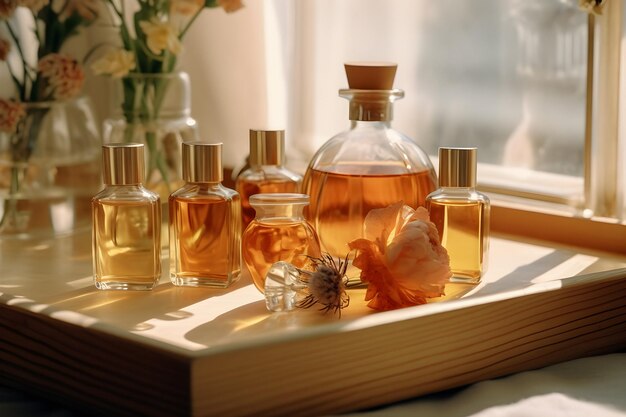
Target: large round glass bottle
pixel 368 166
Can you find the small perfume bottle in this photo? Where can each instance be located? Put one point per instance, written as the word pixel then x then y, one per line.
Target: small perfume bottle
pixel 267 173
pixel 461 214
pixel 204 222
pixel 279 232
pixel 126 223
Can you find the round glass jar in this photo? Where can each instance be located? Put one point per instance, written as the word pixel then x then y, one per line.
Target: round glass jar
pixel 279 232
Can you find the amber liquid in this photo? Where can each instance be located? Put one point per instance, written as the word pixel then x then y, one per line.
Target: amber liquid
pixel 267 242
pixel 340 202
pixel 247 188
pixel 463 230
pixel 205 241
pixel 126 244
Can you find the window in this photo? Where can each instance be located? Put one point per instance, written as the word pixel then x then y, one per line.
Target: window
pixel 532 83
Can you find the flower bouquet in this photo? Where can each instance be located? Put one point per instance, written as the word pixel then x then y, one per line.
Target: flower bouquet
pixel 153 98
pixel 48 138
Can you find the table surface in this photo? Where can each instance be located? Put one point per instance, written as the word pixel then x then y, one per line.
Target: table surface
pixel 54 278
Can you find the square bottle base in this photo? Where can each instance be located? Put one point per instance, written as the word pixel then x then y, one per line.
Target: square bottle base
pixel 111 285
pixel 465 279
pixel 205 282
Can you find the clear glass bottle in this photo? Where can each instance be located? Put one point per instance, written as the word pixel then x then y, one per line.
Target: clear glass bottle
pixel 126 223
pixel 204 222
pixel 461 214
pixel 369 166
pixel 279 232
pixel 267 173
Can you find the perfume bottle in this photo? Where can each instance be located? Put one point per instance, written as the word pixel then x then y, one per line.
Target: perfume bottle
pixel 204 222
pixel 369 166
pixel 461 214
pixel 126 223
pixel 279 232
pixel 267 173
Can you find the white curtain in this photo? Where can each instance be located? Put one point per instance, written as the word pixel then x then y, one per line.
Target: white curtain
pixel 279 64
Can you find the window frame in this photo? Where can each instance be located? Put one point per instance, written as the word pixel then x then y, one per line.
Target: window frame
pixel 601 224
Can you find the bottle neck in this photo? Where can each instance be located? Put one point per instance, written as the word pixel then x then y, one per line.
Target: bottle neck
pixel 207 185
pixel 360 124
pixel 118 186
pixel 371 105
pixel 457 190
pixel 371 111
pixel 259 167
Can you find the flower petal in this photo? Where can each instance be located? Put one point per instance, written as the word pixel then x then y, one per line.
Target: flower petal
pixel 379 224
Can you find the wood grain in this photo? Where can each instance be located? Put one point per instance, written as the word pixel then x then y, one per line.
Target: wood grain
pixel 377 365
pixel 88 367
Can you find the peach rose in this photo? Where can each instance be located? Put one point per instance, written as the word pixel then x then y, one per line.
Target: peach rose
pixel 11 112
pixel 401 258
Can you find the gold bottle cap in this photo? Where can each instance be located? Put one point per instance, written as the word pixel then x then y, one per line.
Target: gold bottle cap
pixel 123 163
pixel 267 147
pixel 202 162
pixel 457 167
pixel 370 75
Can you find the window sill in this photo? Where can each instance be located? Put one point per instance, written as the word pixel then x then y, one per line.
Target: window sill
pixel 601 234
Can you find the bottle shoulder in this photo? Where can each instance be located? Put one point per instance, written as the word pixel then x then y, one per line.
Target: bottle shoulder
pixel 458 196
pixel 205 191
pixel 378 144
pixel 265 173
pixel 130 193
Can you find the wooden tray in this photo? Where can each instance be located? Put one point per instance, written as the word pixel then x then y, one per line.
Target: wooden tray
pixel 196 352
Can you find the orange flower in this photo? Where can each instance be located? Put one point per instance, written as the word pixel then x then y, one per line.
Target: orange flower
pixel 401 258
pixel 11 112
pixel 64 74
pixel 7 7
pixel 186 7
pixel 230 6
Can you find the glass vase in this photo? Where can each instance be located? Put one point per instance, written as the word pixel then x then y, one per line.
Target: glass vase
pixel 49 170
pixel 154 109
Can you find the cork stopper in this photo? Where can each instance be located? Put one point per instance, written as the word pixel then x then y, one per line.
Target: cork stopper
pixel 267 147
pixel 370 75
pixel 202 162
pixel 457 167
pixel 123 163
